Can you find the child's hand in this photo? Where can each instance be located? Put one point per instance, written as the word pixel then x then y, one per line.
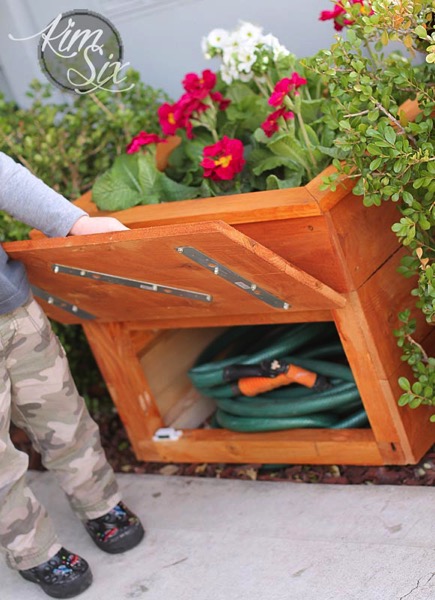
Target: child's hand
pixel 86 225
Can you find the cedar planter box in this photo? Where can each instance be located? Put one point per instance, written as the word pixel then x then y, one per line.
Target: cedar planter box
pixel 323 255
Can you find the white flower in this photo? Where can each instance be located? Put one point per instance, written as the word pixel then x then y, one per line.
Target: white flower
pixel 240 49
pixel 249 32
pixel 227 74
pixel 229 56
pixel 271 41
pixel 279 52
pixel 246 58
pixel 234 42
pixel 218 38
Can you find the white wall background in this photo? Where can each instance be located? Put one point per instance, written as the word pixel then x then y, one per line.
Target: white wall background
pixel 161 37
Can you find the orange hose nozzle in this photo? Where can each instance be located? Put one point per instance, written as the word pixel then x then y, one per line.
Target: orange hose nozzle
pixel 252 386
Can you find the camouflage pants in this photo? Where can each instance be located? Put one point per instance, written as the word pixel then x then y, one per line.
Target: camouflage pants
pixel 38 394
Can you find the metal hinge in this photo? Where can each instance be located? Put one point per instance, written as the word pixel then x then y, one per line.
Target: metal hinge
pixel 146 286
pixel 220 270
pixel 60 303
pixel 167 434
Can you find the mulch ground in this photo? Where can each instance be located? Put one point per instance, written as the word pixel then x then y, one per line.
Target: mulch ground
pixel 122 459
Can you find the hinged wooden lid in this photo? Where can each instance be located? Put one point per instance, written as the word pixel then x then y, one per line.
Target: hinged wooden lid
pixel 189 270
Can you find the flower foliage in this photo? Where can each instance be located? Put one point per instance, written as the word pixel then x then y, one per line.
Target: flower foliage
pixel 259 129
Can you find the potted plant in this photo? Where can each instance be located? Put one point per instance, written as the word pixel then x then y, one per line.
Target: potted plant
pixel 255 125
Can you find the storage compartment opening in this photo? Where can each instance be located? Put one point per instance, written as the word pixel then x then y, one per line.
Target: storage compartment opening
pixel 168 358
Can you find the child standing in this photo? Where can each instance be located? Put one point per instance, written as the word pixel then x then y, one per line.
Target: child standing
pixel 38 394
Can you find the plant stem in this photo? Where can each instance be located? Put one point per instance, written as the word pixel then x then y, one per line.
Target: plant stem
pixel 370 51
pixel 214 134
pixel 101 105
pixel 358 114
pixel 395 121
pixel 261 87
pixel 306 140
pixel 208 120
pixel 269 82
pixel 411 340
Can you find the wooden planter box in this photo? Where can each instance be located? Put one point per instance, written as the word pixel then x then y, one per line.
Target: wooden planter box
pixel 322 253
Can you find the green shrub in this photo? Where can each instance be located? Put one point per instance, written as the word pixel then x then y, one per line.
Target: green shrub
pixel 69 144
pixel 392 158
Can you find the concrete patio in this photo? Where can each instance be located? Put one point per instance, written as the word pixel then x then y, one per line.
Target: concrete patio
pixel 210 539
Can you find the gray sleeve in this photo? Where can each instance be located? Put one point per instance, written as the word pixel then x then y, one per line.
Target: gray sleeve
pixel 30 200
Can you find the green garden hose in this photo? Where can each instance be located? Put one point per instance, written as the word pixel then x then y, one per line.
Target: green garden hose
pixel 248 355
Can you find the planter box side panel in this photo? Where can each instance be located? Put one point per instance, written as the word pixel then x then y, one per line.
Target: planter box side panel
pixel 306 243
pixel 382 297
pixel 393 427
pixel 363 236
pixel 420 432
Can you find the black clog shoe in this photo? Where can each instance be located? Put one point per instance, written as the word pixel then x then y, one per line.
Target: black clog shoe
pixel 116 531
pixel 65 575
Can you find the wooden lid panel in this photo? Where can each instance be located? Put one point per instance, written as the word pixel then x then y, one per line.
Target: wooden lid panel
pixel 195 270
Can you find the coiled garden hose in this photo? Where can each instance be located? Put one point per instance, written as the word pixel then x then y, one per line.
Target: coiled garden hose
pixel 279 377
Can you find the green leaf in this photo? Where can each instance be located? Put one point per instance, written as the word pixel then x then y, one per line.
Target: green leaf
pixel 403 400
pixel 417 387
pixel 333 152
pixel 148 175
pixel 238 91
pixel 374 149
pixel 206 189
pixel 247 114
pixel 421 32
pixel 376 163
pixel 408 198
pixel 274 183
pixel 270 163
pixel 173 191
pixel 267 162
pixel 390 135
pixel 126 168
pixel 415 402
pixel 404 384
pixel 312 136
pixel 288 147
pixel 428 391
pixel 310 109
pixel 111 192
pixel 195 147
pixel 132 180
